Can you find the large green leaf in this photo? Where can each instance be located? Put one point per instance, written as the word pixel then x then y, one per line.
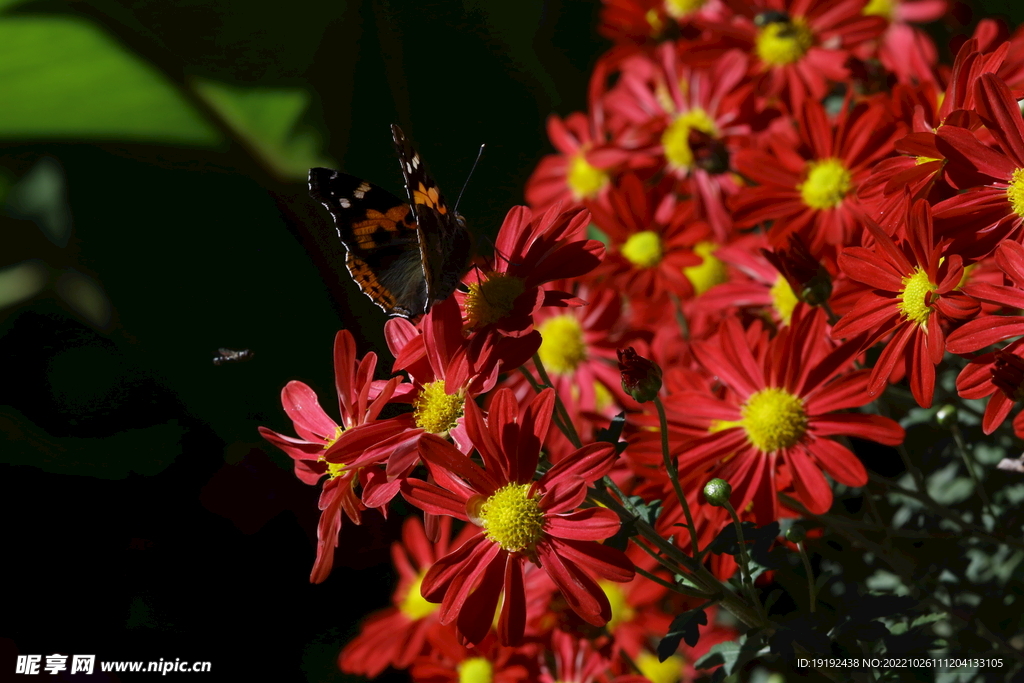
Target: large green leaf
pixel 62 77
pixel 266 119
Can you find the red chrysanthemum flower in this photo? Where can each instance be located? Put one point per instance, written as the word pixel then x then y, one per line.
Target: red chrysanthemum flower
pixel 977 334
pixel 915 292
pixel 520 519
pixel 447 369
pixel 360 399
pixel 800 46
pixel 589 155
pixel 397 635
pixel 449 661
pixel 903 49
pixel 530 250
pixel 651 238
pixel 778 413
pixel 811 190
pixel 578 351
pixel 999 375
pixel 979 219
pixel 687 121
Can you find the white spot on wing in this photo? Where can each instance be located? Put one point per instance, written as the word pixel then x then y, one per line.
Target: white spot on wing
pixel 345 204
pixel 361 190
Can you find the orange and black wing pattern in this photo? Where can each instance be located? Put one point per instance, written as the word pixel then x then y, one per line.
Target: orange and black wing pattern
pixel 382 239
pixel 445 241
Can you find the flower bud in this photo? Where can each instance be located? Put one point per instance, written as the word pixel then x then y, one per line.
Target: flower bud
pixel 717 492
pixel 808 279
pixel 946 415
pixel 641 378
pixel 796 533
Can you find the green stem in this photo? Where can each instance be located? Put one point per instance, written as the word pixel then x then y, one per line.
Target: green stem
pixel 570 428
pixel 673 476
pixel 748 582
pixel 965 456
pixel 812 594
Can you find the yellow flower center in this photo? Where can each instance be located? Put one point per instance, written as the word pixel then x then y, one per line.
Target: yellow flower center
pixel 774 418
pixel 784 300
pixel 680 8
pixel 1015 192
pixel 923 160
pixel 476 670
pixel 414 605
pixel 491 300
pixel 562 347
pixel 512 518
pixel 827 183
pixel 655 22
pixel 437 411
pixel 643 249
pixel 784 42
pixel 709 273
pixel 669 671
pixel 676 138
pixel 584 180
pixel 622 612
pixel 603 398
pixel 914 304
pixel 879 8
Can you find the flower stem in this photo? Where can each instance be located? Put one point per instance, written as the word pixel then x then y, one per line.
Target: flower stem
pixel 673 475
pixel 748 582
pixel 811 592
pixel 958 437
pixel 570 429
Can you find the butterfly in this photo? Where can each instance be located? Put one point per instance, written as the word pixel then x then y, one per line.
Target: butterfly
pixel 231 356
pixel 406 255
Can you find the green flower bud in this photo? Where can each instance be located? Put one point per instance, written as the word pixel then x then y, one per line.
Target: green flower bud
pixel 717 492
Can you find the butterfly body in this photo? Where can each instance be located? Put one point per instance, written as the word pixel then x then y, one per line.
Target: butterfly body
pixel 406 255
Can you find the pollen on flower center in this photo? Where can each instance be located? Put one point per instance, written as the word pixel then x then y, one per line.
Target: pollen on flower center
pixel 584 180
pixel 435 410
pixel 784 300
pixel 414 605
pixel 1015 192
pixel 709 273
pixel 643 249
pixel 622 611
pixel 914 304
pixel 512 518
pixel 657 671
pixel 879 8
pixel 476 670
pixel 676 138
pixel 784 42
pixel 680 8
pixel 492 299
pixel 774 418
pixel 562 347
pixel 826 185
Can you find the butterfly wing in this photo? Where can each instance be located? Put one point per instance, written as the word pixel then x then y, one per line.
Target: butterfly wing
pixel 381 238
pixel 445 245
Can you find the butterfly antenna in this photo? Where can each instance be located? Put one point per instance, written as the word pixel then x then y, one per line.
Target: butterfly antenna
pixel 478 155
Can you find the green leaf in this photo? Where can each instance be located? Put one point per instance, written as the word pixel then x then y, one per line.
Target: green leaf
pixel 65 78
pixel 683 627
pixel 732 655
pixel 267 118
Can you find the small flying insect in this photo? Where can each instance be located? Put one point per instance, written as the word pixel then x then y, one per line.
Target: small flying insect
pixel 232 356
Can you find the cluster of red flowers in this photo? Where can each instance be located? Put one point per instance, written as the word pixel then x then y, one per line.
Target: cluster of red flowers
pixel 799 205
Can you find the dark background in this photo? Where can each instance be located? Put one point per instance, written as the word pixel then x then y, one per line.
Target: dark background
pixel 142 515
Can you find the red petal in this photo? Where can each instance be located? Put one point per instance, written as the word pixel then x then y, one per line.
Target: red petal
pixel 591 524
pixel 811 485
pixel 838 461
pixel 865 426
pixel 603 560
